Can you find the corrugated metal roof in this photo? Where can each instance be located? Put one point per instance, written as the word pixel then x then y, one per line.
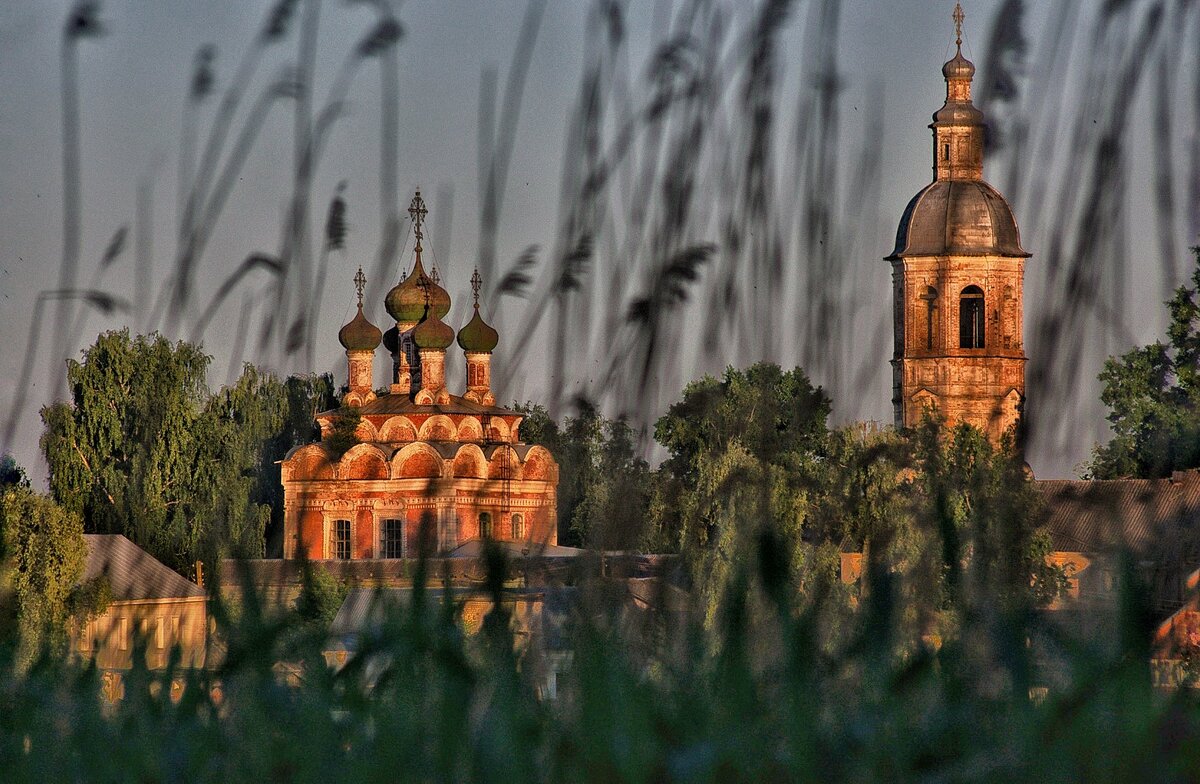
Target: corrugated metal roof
pixel 132 572
pixel 473 548
pixel 1145 515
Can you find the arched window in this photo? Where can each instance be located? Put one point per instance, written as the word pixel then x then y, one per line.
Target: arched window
pixel 485 525
pixel 518 527
pixel 930 297
pixel 970 318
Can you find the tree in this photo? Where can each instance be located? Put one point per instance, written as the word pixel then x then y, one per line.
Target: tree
pixel 762 414
pixel 144 449
pixel 11 473
pixel 43 560
pixel 604 485
pixel 1153 398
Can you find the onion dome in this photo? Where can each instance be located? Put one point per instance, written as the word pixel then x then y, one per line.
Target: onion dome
pixel 958 67
pixel 960 218
pixel 360 334
pixel 407 300
pixel 477 336
pixel 391 340
pixel 410 300
pixel 433 333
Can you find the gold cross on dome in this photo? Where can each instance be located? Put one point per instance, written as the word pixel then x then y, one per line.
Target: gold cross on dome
pixel 360 280
pixel 476 282
pixel 417 212
pixel 958 17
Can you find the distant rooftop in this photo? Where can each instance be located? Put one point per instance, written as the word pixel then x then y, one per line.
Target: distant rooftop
pixel 1142 514
pixel 132 572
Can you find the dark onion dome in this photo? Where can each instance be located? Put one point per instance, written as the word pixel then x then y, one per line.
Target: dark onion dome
pixel 433 333
pixel 391 340
pixel 958 217
pixel 958 67
pixel 360 334
pixel 477 336
pixel 406 301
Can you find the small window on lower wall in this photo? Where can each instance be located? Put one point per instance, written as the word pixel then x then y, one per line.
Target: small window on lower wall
pixel 485 525
pixel 518 527
pixel 392 534
pixel 339 540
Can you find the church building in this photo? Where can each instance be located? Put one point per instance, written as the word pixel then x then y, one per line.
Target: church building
pixel 430 470
pixel 957 275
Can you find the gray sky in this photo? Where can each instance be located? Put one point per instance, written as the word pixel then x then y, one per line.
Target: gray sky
pixel 133 86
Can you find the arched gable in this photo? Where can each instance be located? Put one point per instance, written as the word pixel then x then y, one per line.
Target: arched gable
pixel 469 462
pixel 438 428
pixel 539 465
pixel 365 431
pixel 397 429
pixel 469 429
pixel 363 461
pixel 497 430
pixel 417 461
pixel 308 463
pixel 504 464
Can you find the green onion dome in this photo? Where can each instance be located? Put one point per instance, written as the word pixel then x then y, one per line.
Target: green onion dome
pixel 406 301
pixel 360 334
pixel 391 340
pixel 477 336
pixel 433 333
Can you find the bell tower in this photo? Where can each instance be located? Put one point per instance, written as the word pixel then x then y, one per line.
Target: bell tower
pixel 958 271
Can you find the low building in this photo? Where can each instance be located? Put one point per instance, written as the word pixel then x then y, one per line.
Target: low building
pixel 152 607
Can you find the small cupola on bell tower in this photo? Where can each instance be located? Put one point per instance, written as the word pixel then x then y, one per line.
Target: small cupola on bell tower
pixel 958 273
pixel 958 126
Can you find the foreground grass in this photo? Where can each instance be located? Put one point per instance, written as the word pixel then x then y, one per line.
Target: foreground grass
pixel 786 688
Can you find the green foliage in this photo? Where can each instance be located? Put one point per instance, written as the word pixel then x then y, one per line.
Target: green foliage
pixel 604 486
pixel 143 449
pixel 343 434
pixel 44 556
pixel 11 473
pixel 776 698
pixel 321 594
pixel 1153 397
pixel 775 416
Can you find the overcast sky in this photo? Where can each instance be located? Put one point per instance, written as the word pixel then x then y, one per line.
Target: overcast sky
pixel 133 87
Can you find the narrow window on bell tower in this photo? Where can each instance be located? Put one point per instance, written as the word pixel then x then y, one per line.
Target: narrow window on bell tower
pixel 970 318
pixel 930 297
pixel 945 152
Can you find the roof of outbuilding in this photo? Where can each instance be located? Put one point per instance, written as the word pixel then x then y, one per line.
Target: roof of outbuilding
pixel 133 574
pixel 1144 515
pixel 958 217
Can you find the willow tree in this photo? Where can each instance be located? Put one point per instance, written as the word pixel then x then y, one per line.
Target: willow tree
pixel 142 448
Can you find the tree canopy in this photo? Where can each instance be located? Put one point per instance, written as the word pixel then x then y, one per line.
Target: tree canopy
pixel 1153 397
pixel 42 563
pixel 142 447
